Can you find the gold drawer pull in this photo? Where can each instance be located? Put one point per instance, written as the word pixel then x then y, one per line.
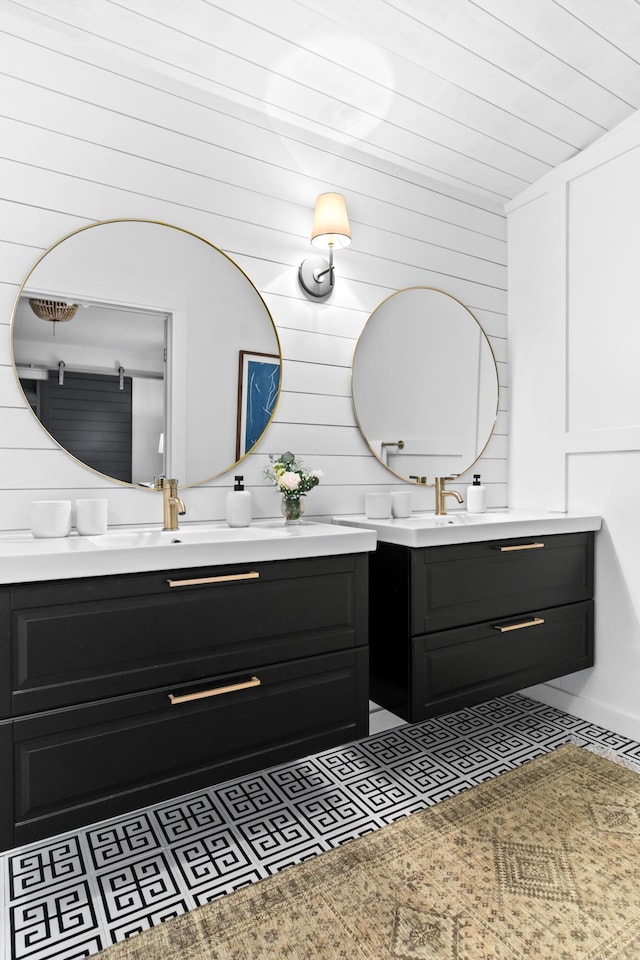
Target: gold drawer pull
pixel 252 575
pixel 215 691
pixel 521 546
pixel 519 626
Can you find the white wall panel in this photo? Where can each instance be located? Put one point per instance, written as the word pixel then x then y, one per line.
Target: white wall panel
pixel 603 346
pixel 315 408
pixel 335 319
pixel 608 694
pixel 317 439
pixel 537 316
pixel 575 428
pixel 493 323
pixel 315 348
pixel 499 347
pixel 21 430
pixel 318 378
pixel 10 393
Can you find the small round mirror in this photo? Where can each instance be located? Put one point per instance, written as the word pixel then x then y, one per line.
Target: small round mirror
pixel 424 385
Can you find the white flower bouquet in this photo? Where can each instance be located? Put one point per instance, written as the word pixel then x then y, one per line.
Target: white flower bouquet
pixel 290 477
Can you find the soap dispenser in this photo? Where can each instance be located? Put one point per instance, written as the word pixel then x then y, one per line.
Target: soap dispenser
pixel 476 496
pixel 239 505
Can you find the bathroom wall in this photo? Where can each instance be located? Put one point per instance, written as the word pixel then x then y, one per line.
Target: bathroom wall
pixel 574 343
pixel 89 134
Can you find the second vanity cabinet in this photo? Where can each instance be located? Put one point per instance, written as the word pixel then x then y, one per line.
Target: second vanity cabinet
pixel 459 624
pixel 121 691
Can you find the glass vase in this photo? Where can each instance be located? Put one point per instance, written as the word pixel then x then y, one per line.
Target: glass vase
pixel 292 509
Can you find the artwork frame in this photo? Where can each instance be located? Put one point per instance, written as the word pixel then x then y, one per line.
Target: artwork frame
pixel 259 379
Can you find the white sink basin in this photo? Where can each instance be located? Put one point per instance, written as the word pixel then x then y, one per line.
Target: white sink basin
pixel 427 529
pixel 132 539
pixel 450 519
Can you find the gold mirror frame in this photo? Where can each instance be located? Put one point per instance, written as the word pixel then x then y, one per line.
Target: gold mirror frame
pixel 268 339
pixel 386 379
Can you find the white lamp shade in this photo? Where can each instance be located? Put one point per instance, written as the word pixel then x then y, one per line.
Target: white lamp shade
pixel 330 222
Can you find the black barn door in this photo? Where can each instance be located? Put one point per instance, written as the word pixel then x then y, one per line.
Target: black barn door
pixel 90 416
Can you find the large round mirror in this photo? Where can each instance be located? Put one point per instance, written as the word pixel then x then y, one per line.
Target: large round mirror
pixel 144 350
pixel 425 385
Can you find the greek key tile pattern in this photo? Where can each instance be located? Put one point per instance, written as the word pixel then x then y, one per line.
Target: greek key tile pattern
pixel 71 896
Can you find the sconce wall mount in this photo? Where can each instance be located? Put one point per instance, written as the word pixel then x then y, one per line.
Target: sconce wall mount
pixel 330 230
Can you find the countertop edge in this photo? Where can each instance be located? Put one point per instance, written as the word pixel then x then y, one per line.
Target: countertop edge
pixel 310 539
pixel 491 527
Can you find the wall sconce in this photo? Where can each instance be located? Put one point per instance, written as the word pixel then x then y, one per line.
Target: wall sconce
pixel 330 229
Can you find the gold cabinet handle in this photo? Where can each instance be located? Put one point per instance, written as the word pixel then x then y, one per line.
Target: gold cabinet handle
pixel 521 546
pixel 252 575
pixel 215 691
pixel 519 626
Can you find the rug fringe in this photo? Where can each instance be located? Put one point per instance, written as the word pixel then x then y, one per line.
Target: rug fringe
pixel 607 752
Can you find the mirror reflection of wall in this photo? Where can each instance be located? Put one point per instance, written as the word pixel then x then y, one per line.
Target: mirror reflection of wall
pixel 151 290
pixel 425 384
pixel 110 421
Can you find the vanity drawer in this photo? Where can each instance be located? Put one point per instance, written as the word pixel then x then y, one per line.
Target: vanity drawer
pixel 83 764
pixel 6 792
pixel 80 640
pixel 470 583
pixel 5 652
pixel 455 668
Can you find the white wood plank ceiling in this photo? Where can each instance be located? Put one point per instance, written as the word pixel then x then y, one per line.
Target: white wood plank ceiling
pixel 485 95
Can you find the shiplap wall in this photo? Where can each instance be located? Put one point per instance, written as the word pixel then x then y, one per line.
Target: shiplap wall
pixel 87 137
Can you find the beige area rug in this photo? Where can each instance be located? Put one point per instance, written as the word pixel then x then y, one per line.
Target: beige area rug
pixel 541 862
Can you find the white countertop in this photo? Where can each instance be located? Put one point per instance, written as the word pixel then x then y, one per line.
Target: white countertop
pixel 25 559
pixel 427 530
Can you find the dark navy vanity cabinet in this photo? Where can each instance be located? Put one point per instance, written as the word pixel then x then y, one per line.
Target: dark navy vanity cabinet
pixel 459 624
pixel 121 691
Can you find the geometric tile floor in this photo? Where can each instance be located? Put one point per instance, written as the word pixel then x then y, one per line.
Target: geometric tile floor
pixel 72 895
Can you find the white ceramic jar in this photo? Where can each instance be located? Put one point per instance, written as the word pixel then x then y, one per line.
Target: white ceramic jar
pixel 91 517
pixel 377 506
pixel 50 518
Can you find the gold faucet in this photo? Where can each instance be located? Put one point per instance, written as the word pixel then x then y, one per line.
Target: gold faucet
pixel 172 505
pixel 441 493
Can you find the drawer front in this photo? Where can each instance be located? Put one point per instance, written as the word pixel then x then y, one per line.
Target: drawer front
pixel 6 791
pixel 83 764
pixel 455 668
pixel 5 653
pixel 86 644
pixel 471 583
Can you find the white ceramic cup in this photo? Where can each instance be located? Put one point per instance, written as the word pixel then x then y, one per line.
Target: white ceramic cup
pixel 401 503
pixel 377 506
pixel 91 517
pixel 50 518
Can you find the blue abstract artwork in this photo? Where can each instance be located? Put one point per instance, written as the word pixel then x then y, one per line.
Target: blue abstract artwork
pixel 259 385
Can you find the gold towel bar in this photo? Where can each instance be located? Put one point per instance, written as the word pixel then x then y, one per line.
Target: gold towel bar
pixel 521 546
pixel 252 575
pixel 519 626
pixel 214 692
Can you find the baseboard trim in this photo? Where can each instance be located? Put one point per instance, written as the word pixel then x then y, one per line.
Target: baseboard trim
pixel 589 710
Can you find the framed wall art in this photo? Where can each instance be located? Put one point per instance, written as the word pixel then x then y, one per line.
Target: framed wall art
pixel 258 391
